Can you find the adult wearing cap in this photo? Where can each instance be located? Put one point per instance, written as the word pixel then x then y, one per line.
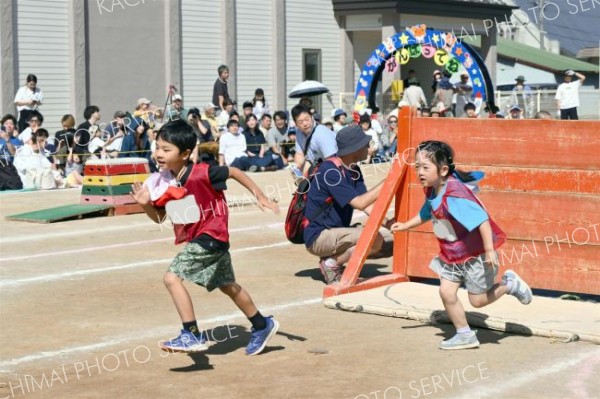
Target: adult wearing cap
pixel 142 109
pixel 314 142
pixel 567 95
pixel 523 95
pixel 339 119
pixel 176 110
pixel 335 192
pixel 464 92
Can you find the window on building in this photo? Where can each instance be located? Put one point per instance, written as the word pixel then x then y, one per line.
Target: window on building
pixel 311 70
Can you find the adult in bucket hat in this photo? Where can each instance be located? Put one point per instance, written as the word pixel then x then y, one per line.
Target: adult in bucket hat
pixel 337 189
pixel 522 96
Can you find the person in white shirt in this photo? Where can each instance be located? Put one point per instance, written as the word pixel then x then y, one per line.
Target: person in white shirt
pixel 413 94
pixel 339 119
pixel 567 95
pixel 232 148
pixel 28 99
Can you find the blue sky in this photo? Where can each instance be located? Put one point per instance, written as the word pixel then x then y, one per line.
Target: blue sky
pixel 575 23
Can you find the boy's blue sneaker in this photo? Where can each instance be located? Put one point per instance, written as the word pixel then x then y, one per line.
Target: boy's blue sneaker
pixel 519 288
pixel 259 339
pixel 185 342
pixel 461 341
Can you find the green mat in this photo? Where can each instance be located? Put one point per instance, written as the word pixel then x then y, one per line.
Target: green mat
pixel 60 213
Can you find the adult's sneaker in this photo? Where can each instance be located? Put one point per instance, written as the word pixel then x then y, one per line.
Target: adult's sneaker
pixel 185 342
pixel 519 288
pixel 330 270
pixel 259 339
pixel 461 341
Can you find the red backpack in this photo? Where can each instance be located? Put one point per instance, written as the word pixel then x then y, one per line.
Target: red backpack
pixel 296 221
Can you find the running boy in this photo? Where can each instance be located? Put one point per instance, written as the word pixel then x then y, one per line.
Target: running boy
pixel 468 240
pixel 205 260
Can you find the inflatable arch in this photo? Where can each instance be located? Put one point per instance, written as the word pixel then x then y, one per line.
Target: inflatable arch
pixel 444 48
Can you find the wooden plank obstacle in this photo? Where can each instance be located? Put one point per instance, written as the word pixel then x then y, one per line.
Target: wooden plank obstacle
pixel 542 187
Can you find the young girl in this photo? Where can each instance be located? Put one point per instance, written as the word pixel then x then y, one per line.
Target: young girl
pixel 259 104
pixel 366 125
pixel 467 236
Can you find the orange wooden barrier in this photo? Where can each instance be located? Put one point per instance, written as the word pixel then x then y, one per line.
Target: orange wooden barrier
pixel 542 187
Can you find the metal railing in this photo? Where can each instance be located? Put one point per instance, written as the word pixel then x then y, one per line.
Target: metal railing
pixel 535 101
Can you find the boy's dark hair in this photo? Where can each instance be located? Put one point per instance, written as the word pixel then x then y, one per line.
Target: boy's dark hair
pixel 298 110
pixel 266 116
pixel 280 115
pixel 227 102
pixel 234 113
pixel 441 154
pixel 9 117
pixel 41 132
pixel 179 133
pixel 89 111
pixel 232 122
pixel 31 78
pixel 247 104
pixel 36 114
pixel 222 68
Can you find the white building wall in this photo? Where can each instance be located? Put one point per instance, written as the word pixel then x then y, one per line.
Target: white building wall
pixel 310 24
pixel 201 49
pixel 254 49
pixel 43 50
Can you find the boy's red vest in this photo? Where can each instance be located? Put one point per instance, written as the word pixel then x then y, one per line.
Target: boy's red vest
pixel 214 213
pixel 468 244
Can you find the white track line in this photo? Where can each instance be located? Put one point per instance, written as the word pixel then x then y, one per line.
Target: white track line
pixel 144 335
pixel 66 275
pixel 121 245
pixel 45 236
pixel 526 377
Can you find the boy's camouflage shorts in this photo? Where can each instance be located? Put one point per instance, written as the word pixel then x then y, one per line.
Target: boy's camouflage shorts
pixel 210 269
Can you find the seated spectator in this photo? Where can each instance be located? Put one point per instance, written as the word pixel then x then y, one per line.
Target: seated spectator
pixel 470 111
pixel 207 148
pixel 114 133
pixel 236 117
pixel 10 133
pixel 209 116
pixel 543 115
pixel 232 148
pixel 425 112
pixel 143 110
pixel 176 110
pixel 265 123
pixel 223 117
pixel 35 121
pixel 515 112
pixel 435 112
pixel 33 167
pixel 73 170
pixel 278 138
pixel 256 146
pixel 389 136
pixel 246 111
pixel 9 177
pixel 328 124
pixel 45 147
pixel 365 124
pixel 340 189
pixel 64 139
pixel 86 130
pixel 260 105
pixel 137 144
pixel 339 119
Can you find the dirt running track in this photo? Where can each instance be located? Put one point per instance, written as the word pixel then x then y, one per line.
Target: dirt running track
pixel 83 306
